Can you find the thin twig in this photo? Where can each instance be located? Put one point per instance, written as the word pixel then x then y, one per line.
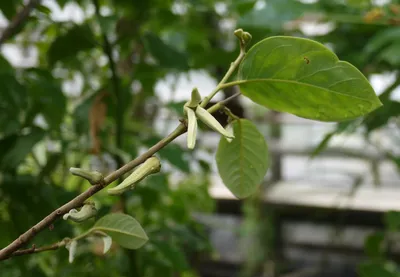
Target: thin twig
pixel 34 250
pixel 18 20
pixel 221 104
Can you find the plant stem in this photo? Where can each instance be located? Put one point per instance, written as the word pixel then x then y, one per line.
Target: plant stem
pixel 222 103
pixel 228 74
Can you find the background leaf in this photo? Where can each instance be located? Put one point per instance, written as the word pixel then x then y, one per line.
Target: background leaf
pixel 76 39
pixel 123 229
pixel 305 78
pixel 243 163
pixel 166 55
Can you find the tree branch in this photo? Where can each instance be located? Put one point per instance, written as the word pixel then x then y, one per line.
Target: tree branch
pixel 18 20
pixel 34 250
pixel 78 201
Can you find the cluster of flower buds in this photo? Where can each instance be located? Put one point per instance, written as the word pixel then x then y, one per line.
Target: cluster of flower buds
pixel 194 111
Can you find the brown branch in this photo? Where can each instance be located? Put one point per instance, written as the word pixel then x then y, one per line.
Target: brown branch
pixel 18 20
pixel 34 250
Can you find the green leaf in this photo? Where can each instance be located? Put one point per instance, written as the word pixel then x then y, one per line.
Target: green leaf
pixel 13 102
pixel 123 229
pixel 76 39
pixel 305 78
pixel 15 148
pixel 46 95
pixel 243 163
pixel 173 254
pixel 166 55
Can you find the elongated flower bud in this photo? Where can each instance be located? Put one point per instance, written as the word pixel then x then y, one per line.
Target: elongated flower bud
pixel 192 128
pixel 72 250
pixel 211 122
pixel 86 212
pixel 195 99
pixel 150 166
pixel 94 177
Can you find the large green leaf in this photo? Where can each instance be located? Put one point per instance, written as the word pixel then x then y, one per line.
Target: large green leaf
pixel 123 229
pixel 243 162
pixel 76 39
pixel 305 78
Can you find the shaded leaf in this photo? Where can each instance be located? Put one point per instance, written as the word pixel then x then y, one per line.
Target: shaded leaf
pixel 172 254
pixel 305 78
pixel 381 116
pixel 13 102
pixel 47 96
pixel 392 220
pixel 243 162
pixel 123 229
pixel 15 148
pixel 76 39
pixel 166 55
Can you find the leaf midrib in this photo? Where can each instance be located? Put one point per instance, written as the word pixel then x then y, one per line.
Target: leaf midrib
pixel 300 84
pixel 118 231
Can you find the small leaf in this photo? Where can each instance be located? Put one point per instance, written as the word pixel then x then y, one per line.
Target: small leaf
pixel 123 229
pixel 243 162
pixel 305 78
pixel 107 241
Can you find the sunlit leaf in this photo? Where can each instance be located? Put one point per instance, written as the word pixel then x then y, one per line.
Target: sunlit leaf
pixel 305 78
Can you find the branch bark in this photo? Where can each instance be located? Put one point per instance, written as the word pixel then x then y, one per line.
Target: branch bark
pixel 18 20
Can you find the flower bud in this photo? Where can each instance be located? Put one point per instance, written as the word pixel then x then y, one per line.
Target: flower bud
pixel 150 166
pixel 195 99
pixel 94 177
pixel 211 122
pixel 192 128
pixel 86 212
